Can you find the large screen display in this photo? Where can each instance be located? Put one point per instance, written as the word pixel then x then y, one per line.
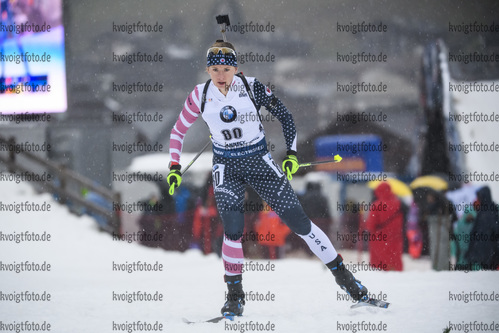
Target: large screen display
pixel 32 60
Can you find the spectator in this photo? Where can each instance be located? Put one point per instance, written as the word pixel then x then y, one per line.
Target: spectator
pixel 184 203
pixel 414 235
pixel 483 251
pixel 461 238
pixel 419 195
pixel 439 220
pixel 207 225
pixel 271 232
pixel 315 205
pixel 385 225
pixel 152 223
pixel 350 226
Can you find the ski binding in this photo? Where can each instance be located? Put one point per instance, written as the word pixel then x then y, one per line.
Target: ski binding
pixel 369 301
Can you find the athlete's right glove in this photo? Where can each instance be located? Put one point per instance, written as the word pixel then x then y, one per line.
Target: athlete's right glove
pixel 174 177
pixel 290 164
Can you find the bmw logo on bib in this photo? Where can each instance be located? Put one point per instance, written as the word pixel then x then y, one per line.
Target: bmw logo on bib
pixel 228 114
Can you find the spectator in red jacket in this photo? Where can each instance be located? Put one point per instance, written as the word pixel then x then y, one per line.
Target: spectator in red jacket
pixel 207 225
pixel 385 226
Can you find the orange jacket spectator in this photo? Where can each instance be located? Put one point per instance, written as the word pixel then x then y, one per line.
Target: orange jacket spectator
pixel 272 232
pixel 385 226
pixel 206 223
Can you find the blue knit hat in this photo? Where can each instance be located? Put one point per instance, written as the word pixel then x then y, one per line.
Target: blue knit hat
pixel 221 56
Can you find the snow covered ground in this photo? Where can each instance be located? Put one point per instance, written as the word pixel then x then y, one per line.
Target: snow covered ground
pixel 81 283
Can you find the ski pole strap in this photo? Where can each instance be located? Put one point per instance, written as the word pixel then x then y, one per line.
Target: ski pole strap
pixel 174 178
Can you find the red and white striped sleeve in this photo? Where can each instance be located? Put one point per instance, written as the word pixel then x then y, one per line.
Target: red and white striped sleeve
pixel 187 117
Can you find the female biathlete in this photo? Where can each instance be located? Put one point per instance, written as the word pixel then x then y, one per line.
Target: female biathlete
pixel 229 103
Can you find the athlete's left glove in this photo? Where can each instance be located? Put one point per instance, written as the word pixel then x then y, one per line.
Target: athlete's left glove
pixel 290 164
pixel 174 177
